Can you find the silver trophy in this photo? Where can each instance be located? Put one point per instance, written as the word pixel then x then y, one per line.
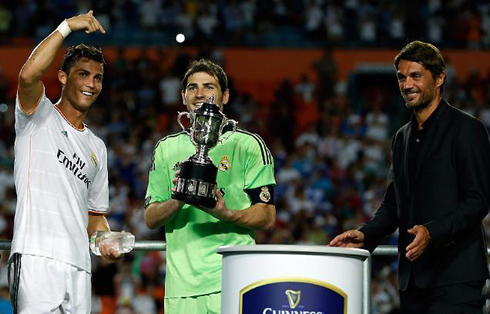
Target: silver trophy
pixel 197 180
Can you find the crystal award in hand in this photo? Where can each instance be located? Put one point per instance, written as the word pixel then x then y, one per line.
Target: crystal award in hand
pixel 123 241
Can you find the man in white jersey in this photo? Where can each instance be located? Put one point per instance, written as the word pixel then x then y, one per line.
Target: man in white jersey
pixel 60 177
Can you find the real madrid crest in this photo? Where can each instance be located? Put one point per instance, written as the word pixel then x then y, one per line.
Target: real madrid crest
pixel 94 159
pixel 224 164
pixel 265 195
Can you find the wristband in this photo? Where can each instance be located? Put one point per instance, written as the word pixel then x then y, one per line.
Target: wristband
pixel 64 29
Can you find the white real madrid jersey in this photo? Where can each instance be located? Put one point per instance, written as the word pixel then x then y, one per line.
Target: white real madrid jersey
pixel 60 175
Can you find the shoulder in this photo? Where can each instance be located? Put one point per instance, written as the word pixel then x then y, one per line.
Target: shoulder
pixel 252 142
pixel 98 142
pixel 171 139
pixel 467 131
pixel 249 138
pixel 465 121
pixel 462 115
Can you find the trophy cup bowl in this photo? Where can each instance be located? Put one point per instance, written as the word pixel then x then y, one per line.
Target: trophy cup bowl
pixel 197 181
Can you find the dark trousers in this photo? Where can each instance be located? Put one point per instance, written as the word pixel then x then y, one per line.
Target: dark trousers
pixel 464 298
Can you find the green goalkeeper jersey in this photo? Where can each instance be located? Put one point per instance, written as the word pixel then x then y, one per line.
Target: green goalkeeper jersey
pixel 193 236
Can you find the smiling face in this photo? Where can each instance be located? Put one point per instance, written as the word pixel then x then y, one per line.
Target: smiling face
pixel 417 85
pixel 82 84
pixel 200 86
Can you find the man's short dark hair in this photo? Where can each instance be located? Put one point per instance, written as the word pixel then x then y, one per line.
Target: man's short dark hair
pixel 78 52
pixel 210 68
pixel 424 53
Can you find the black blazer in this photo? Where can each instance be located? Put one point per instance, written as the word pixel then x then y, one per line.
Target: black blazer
pixel 450 196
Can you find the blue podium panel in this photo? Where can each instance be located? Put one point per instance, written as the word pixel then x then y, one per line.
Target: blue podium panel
pixel 292 296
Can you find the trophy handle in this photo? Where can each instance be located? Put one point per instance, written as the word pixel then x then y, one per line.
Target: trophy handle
pixel 179 120
pixel 234 125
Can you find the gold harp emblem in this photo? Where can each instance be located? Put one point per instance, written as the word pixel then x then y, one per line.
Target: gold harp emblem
pixel 293 298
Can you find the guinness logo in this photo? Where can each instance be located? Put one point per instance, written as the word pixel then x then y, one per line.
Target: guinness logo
pixel 265 195
pixel 293 298
pixel 304 296
pixel 224 164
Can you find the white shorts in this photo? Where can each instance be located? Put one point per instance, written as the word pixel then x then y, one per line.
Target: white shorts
pixel 40 285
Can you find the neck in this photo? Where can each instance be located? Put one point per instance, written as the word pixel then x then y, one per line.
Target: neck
pixel 72 115
pixel 423 114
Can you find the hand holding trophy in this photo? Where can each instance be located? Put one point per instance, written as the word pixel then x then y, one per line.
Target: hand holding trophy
pixel 197 180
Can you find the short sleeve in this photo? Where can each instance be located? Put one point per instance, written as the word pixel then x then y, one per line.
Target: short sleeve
pixel 27 123
pixel 259 169
pixel 158 189
pixel 98 199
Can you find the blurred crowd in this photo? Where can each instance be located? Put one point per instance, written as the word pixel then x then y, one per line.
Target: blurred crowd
pixel 298 23
pixel 330 139
pixel 331 160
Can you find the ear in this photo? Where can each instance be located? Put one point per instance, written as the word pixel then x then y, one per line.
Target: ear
pixel 440 79
pixel 62 77
pixel 182 94
pixel 226 96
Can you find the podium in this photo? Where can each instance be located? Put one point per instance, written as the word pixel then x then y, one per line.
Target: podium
pixel 276 279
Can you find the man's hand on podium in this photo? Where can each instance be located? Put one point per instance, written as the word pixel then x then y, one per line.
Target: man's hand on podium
pixel 351 238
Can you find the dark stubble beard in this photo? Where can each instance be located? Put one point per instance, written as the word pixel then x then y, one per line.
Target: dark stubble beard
pixel 425 99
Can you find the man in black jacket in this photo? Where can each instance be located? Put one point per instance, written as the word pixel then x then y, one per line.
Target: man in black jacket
pixel 438 195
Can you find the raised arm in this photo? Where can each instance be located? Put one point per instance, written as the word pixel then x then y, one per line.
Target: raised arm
pixel 30 86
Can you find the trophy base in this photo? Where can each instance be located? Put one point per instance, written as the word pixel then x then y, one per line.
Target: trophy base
pixel 196 184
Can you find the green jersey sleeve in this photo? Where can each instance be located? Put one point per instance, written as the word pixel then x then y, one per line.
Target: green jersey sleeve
pixel 159 182
pixel 259 169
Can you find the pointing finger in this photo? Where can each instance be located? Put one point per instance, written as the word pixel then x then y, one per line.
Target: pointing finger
pixel 98 26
